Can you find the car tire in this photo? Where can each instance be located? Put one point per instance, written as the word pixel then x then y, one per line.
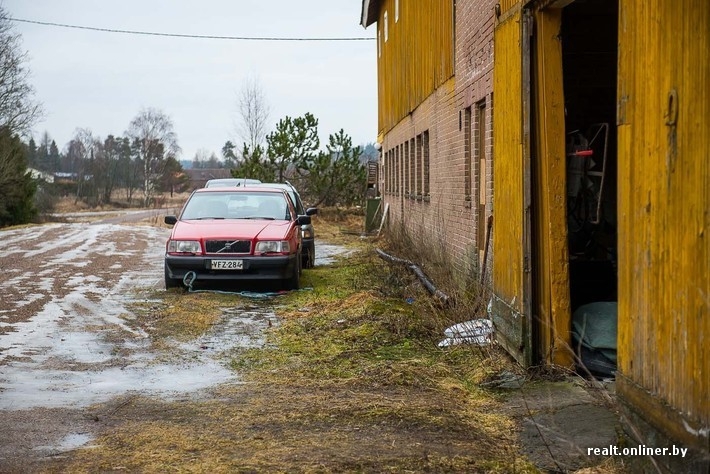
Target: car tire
pixel 294 282
pixel 170 282
pixel 309 256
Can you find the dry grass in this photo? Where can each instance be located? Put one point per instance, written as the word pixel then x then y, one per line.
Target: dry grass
pixel 351 381
pixel 65 204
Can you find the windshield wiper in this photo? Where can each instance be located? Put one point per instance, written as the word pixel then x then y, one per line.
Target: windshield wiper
pixel 259 217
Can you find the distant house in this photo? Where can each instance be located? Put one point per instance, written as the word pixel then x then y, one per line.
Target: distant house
pixel 198 177
pixel 41 175
pixel 69 178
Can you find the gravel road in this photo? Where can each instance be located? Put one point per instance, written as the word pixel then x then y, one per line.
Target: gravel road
pixel 65 344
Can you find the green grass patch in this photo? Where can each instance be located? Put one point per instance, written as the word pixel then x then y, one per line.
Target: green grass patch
pixel 348 329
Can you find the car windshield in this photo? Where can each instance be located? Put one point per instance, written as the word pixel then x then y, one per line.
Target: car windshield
pixel 236 205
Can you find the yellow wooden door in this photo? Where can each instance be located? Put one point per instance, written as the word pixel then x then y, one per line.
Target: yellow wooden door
pixel 551 301
pixel 511 184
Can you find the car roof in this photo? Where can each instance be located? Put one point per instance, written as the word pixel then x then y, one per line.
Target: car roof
pixel 239 189
pixel 277 185
pixel 230 182
pixel 288 187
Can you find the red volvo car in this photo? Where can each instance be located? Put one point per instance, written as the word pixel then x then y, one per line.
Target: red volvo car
pixel 235 233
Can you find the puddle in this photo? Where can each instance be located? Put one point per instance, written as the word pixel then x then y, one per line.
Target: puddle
pixel 77 349
pixel 69 442
pixel 239 328
pixel 192 367
pixel 326 253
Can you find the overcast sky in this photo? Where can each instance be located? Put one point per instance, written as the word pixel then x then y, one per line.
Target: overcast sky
pixel 100 81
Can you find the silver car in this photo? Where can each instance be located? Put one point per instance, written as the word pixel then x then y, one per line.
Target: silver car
pixel 308 234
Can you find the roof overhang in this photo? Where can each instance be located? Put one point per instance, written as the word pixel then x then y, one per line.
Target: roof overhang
pixel 370 12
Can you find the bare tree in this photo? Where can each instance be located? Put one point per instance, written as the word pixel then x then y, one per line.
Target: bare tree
pixel 253 113
pixel 154 140
pixel 82 151
pixel 18 108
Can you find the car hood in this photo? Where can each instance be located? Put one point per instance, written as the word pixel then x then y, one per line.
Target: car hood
pixel 230 228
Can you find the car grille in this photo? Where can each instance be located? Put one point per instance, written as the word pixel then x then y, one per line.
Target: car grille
pixel 232 246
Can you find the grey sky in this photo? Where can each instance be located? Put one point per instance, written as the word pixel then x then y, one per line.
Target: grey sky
pixel 100 81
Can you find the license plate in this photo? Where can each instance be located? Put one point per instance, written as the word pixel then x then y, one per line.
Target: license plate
pixel 227 265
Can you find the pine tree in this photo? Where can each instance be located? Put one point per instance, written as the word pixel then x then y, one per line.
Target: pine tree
pixel 17 187
pixel 337 175
pixel 254 166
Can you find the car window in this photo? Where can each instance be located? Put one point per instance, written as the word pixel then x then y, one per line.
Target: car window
pixel 297 202
pixel 236 205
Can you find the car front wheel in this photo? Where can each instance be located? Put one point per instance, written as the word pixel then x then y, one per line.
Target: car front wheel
pixel 309 256
pixel 294 282
pixel 171 282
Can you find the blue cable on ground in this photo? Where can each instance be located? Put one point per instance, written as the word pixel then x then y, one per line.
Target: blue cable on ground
pixel 191 276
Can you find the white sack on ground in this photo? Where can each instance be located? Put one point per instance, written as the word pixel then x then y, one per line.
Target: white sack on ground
pixel 476 331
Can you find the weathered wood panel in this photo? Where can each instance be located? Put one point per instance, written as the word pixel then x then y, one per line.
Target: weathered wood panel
pixel 416 58
pixel 664 204
pixel 509 165
pixel 551 305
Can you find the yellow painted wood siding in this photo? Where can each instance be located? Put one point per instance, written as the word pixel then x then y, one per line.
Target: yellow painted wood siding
pixel 506 5
pixel 416 58
pixel 551 305
pixel 664 201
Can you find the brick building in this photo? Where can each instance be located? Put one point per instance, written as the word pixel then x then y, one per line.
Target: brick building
pixel 594 165
pixel 435 115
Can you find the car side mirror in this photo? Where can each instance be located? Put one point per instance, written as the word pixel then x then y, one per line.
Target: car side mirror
pixel 303 220
pixel 171 220
pixel 311 211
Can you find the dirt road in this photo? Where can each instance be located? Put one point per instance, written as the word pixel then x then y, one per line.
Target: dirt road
pixel 66 338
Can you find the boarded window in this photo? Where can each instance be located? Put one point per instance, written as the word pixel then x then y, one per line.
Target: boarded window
pixel 482 131
pixel 467 144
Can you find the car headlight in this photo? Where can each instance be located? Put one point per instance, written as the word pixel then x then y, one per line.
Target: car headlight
pixel 272 246
pixel 184 246
pixel 307 233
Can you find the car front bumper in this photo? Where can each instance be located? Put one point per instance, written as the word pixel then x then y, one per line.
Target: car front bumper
pixel 254 268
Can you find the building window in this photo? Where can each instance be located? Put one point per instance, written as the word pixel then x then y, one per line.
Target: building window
pixel 425 157
pixel 396 11
pixel 419 165
pixel 397 168
pixel 412 170
pixel 407 166
pixel 467 144
pixel 386 171
pixel 390 160
pixel 385 27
